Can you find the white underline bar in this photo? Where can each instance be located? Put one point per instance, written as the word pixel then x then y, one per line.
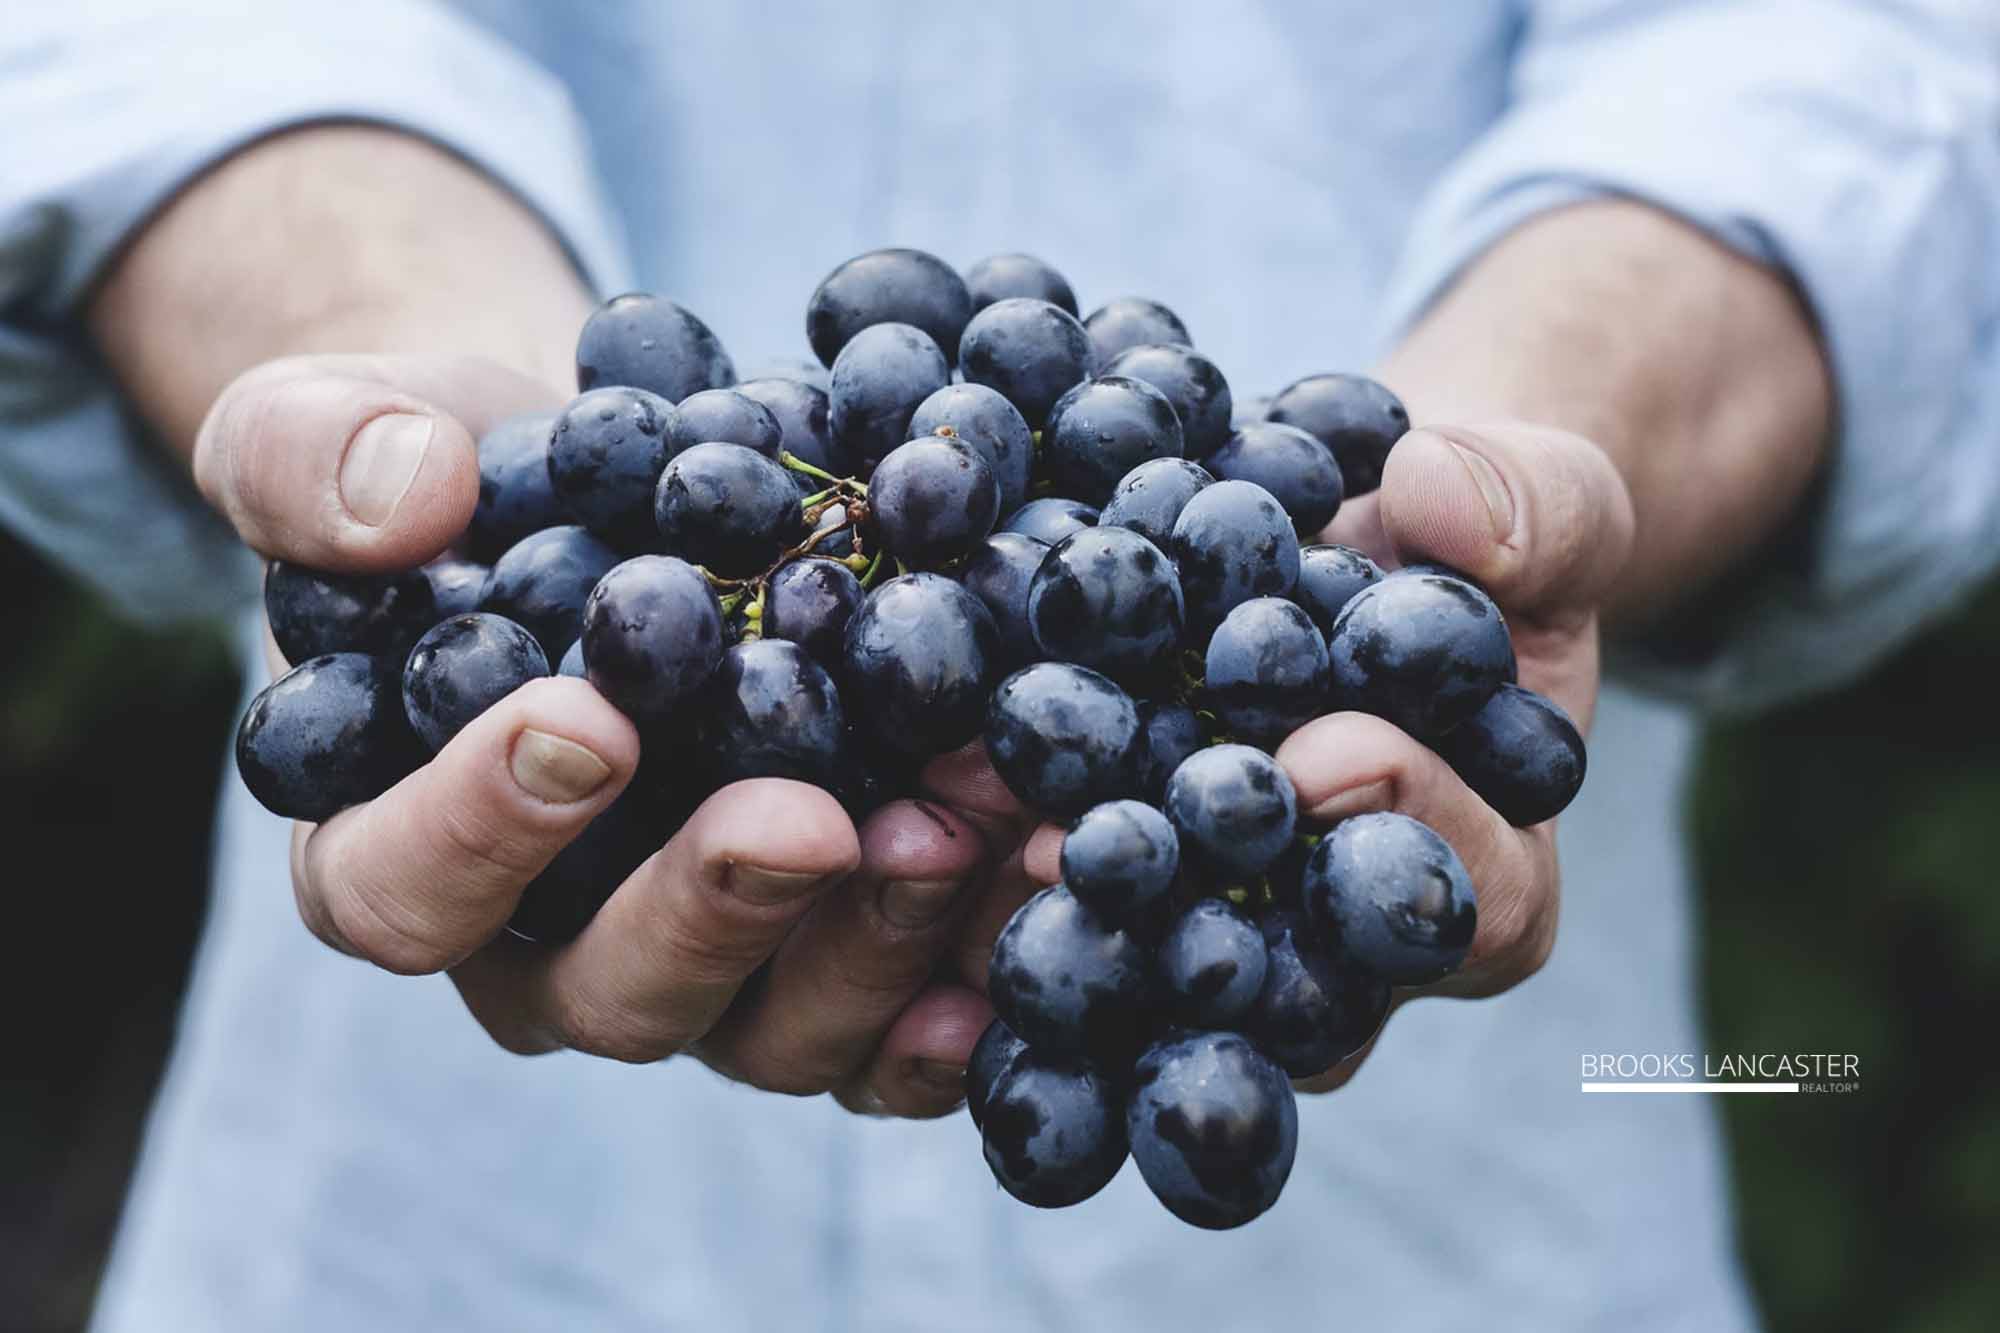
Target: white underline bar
pixel 1690 1087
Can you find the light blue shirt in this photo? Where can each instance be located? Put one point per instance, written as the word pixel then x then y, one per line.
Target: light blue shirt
pixel 337 1147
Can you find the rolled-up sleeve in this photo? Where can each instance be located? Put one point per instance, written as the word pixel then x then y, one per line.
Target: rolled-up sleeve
pixel 1857 147
pixel 113 107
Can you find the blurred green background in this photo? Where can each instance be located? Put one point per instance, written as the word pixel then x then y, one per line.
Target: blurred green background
pixel 1847 849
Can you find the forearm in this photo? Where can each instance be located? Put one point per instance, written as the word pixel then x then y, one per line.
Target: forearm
pixel 333 238
pixel 1697 371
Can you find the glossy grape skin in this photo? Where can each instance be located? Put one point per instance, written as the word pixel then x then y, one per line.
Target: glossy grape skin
pixel 724 416
pixel 1120 859
pixel 1329 576
pixel 770 711
pixel 805 425
pixel 1102 429
pixel 1150 497
pixel 652 636
pixel 1233 808
pixel 1168 734
pixel 917 663
pixel 1003 277
pixel 893 286
pixel 516 496
pixel 992 1055
pixel 648 342
pixel 1232 542
pixel 1069 982
pixel 1294 467
pixel 1191 382
pixel 879 379
pixel 1063 738
pixel 1520 754
pixel 1054 1131
pixel 934 501
pixel 542 581
pixel 1050 519
pixel 456 586
pixel 989 423
pixel 572 662
pixel 1211 965
pixel 327 734
pixel 606 453
pixel 1108 599
pixel 1423 650
pixel 1132 321
pixel 1214 1127
pixel 728 508
pixel 809 602
pixel 461 668
pixel 998 573
pixel 1311 1014
pixel 1265 671
pixel 1390 896
pixel 313 613
pixel 1028 351
pixel 1351 415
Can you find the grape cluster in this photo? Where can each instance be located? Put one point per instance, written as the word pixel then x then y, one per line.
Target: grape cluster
pixel 986 520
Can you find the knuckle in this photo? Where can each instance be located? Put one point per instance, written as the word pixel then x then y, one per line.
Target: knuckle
pixel 387 934
pixel 614 1032
pixel 470 840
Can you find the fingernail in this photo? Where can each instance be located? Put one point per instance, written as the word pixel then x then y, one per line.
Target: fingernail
pixel 382 460
pixel 556 769
pixel 939 1076
pixel 1499 500
pixel 1369 796
pixel 766 887
pixel 913 904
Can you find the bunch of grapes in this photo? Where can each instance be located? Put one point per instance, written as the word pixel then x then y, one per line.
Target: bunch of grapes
pixel 988 520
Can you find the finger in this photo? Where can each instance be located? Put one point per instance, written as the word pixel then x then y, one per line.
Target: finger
pixel 1351 763
pixel 999 894
pixel 1041 856
pixel 918 1071
pixel 350 462
pixel 421 876
pixel 966 780
pixel 861 954
pixel 1359 525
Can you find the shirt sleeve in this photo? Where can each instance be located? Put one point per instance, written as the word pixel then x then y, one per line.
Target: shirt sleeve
pixel 129 101
pixel 1856 146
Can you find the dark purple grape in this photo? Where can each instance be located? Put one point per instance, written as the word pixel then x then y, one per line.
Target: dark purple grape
pixel 1054 1131
pixel 989 423
pixel 542 581
pixel 1069 982
pixel 1520 754
pixel 652 636
pixel 1423 650
pixel 933 500
pixel 1294 467
pixel 728 508
pixel 1005 277
pixel 313 613
pixel 461 668
pixel 1351 415
pixel 605 458
pixel 1265 673
pixel 770 711
pixel 1312 1014
pixel 572 662
pixel 1120 859
pixel 1133 321
pixel 1102 429
pixel 809 602
pixel 560 901
pixel 1108 599
pixel 1150 497
pixel 1214 1127
pixel 1191 382
pixel 1233 808
pixel 648 342
pixel 1063 738
pixel 724 416
pixel 1391 897
pixel 992 1055
pixel 881 376
pixel 1212 964
pixel 887 287
pixel 1329 576
pixel 1168 734
pixel 1031 352
pixel 919 658
pixel 456 586
pixel 327 734
pixel 1232 542
pixel 1050 519
pixel 805 426
pixel 998 573
pixel 516 496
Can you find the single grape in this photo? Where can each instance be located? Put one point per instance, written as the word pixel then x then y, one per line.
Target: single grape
pixel 516 496
pixel 1054 1131
pixel 1352 415
pixel 1168 734
pixel 1133 321
pixel 989 423
pixel 1294 467
pixel 1329 576
pixel 648 342
pixel 1050 519
pixel 934 501
pixel 893 286
pixel 1003 277
pixel 461 668
pixel 1232 542
pixel 1102 429
pixel 1312 1013
pixel 998 573
pixel 772 712
pixel 1520 754
pixel 1233 808
pixel 1150 497
pixel 327 734
pixel 881 376
pixel 1266 673
pixel 728 508
pixel 572 662
pixel 1063 738
pixel 992 1055
pixel 542 581
pixel 1069 982
pixel 833 535
pixel 805 425
pixel 313 613
pixel 918 661
pixel 1191 382
pixel 456 585
pixel 1212 965
pixel 1391 897
pixel 605 457
pixel 809 602
pixel 1108 599
pixel 724 416
pixel 1214 1127
pixel 1423 650
pixel 652 636
pixel 1031 352
pixel 1120 859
